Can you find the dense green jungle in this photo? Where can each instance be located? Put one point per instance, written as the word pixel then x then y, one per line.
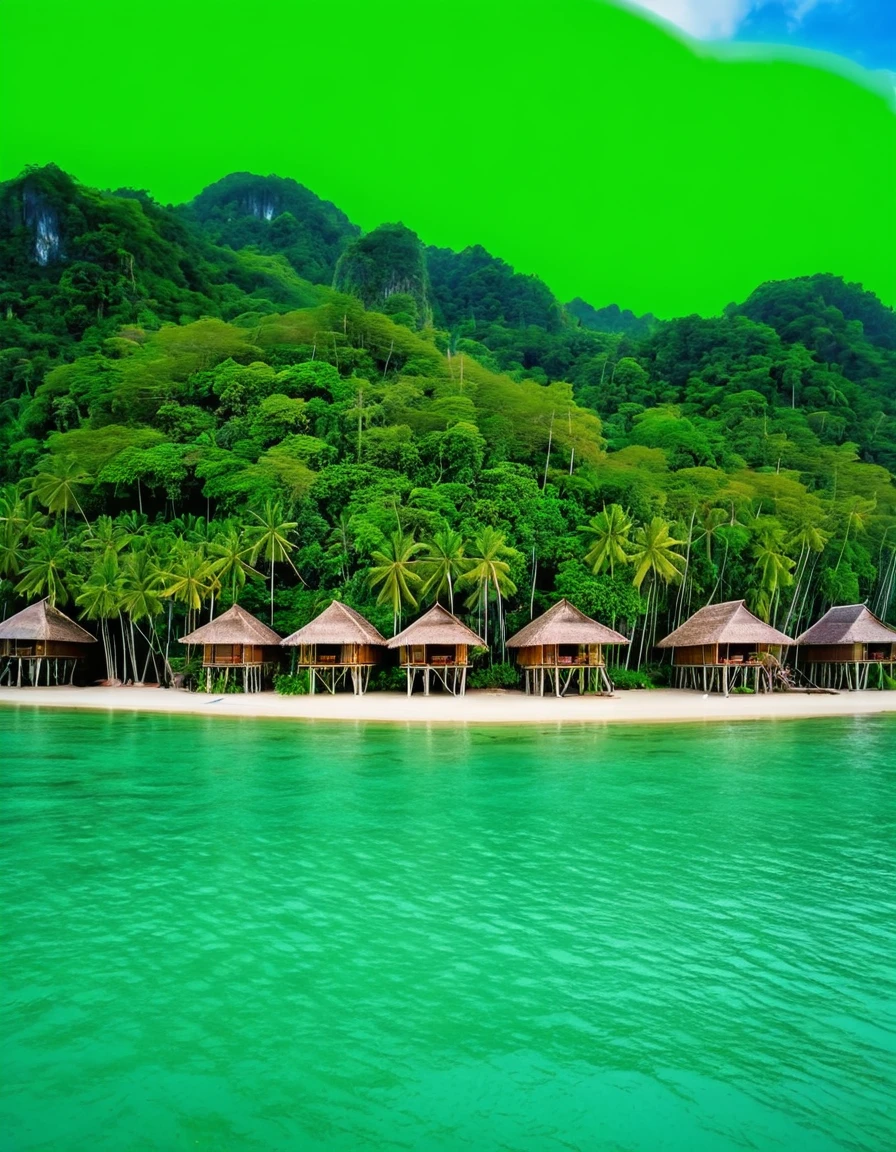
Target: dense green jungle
pixel 244 398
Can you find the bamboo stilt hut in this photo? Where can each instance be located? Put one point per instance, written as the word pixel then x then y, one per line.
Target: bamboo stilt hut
pixel 723 647
pixel 40 641
pixel 564 649
pixel 436 647
pixel 849 647
pixel 238 643
pixel 339 648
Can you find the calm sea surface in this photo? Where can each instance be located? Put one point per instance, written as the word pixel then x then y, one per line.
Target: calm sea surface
pixel 233 934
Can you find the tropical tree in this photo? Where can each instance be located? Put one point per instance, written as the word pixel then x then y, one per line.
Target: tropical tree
pixel 609 530
pixel 489 570
pixel 229 553
pixel 269 538
pixel 340 544
pixel 775 571
pixel 442 563
pixel 711 520
pixel 653 554
pixel 141 589
pixel 57 484
pixel 47 568
pixel 100 599
pixel 188 580
pixel 108 536
pixel 394 574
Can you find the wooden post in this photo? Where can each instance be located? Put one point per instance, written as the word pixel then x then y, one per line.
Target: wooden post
pixel 463 680
pixel 426 680
pixel 725 679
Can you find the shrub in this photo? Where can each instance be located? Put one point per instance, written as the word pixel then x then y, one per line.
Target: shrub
pixel 388 680
pixel 223 685
pixel 496 676
pixel 291 683
pixel 626 678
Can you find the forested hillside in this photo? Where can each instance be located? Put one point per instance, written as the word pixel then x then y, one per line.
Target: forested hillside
pixel 243 397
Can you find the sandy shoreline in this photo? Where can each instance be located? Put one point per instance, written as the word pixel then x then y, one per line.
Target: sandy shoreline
pixel 477 707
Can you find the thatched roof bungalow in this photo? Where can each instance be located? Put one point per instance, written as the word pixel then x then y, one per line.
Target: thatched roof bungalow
pixel 338 645
pixel 841 648
pixel 436 645
pixel 236 640
pixel 715 648
pixel 40 637
pixel 564 646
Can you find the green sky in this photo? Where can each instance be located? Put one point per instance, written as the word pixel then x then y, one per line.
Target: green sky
pixel 574 139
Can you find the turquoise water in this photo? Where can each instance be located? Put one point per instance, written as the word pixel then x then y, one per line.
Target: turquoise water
pixel 232 934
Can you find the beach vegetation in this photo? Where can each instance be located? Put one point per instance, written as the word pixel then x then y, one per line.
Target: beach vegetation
pixel 193 412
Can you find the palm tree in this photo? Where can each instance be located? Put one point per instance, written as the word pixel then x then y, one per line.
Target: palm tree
pixel 230 552
pixel 810 538
pixel 856 517
pixel 17 511
pixel 775 572
pixel 610 530
pixel 442 563
pixel 270 538
pixel 188 580
pixel 653 553
pixel 55 487
pixel 46 567
pixel 108 536
pixel 711 520
pixel 12 551
pixel 100 598
pixel 341 544
pixel 141 588
pixel 394 573
pixel 489 568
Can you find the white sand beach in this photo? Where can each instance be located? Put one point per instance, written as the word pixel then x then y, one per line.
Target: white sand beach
pixel 477 707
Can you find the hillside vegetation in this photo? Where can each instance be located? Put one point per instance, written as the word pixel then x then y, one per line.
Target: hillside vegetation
pixel 245 397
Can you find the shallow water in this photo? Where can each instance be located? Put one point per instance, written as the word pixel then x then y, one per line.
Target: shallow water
pixel 269 935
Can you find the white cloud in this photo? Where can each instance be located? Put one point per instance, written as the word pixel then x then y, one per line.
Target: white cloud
pixel 705 19
pixel 718 19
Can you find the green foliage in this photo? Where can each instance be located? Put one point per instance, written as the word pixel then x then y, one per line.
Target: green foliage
pixel 292 683
pixel 626 678
pixel 388 262
pixel 184 421
pixel 495 676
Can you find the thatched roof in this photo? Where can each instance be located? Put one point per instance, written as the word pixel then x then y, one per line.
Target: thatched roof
pixel 235 626
pixel 437 626
pixel 728 623
pixel 337 624
pixel 848 624
pixel 564 624
pixel 42 621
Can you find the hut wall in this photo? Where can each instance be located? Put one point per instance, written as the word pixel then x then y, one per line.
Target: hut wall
pixel 365 653
pixel 553 655
pixel 336 655
pixel 234 655
pixel 695 655
pixel 443 655
pixel 831 653
pixel 31 649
